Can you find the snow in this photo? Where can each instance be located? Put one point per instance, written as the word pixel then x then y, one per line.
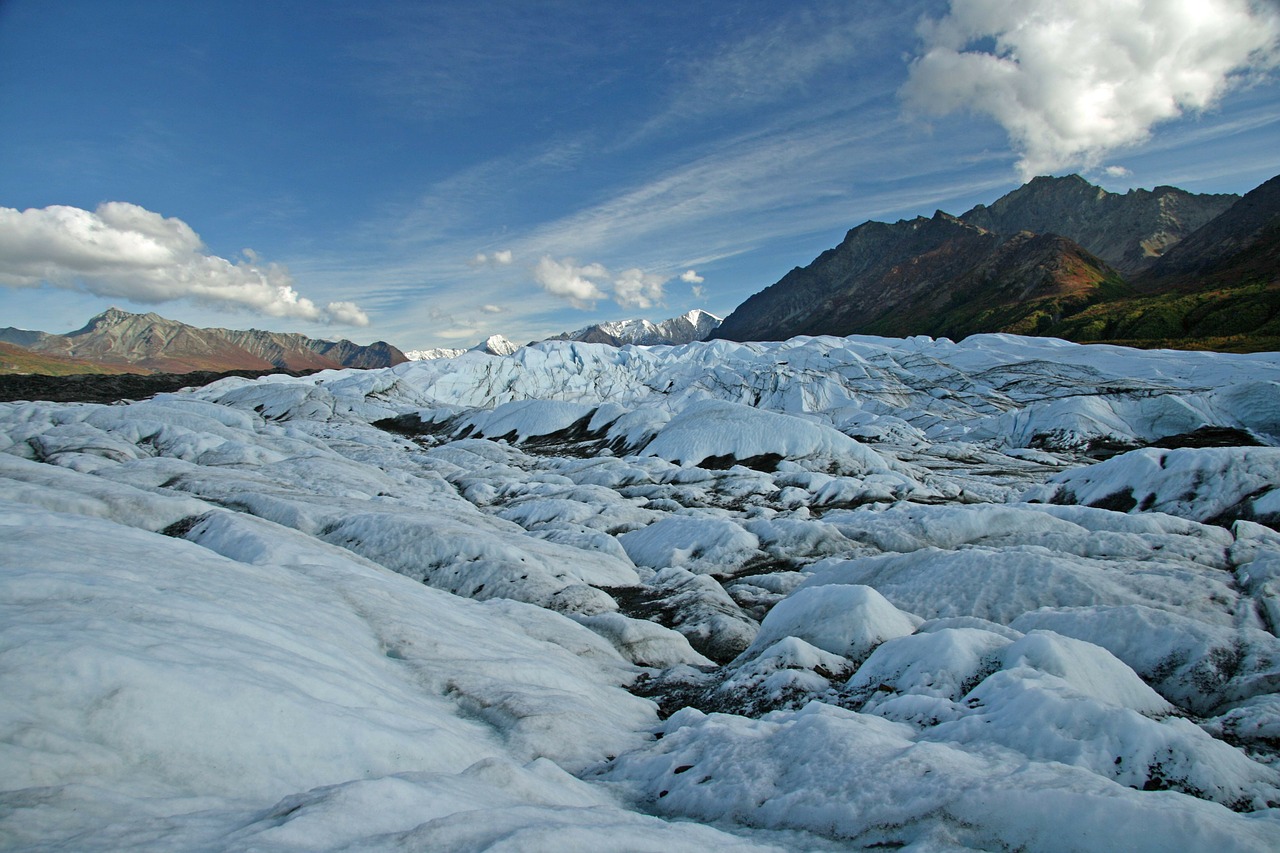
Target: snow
pixel 874 784
pixel 848 621
pixel 433 353
pixel 704 545
pixel 814 594
pixel 495 345
pixel 691 326
pixel 1204 484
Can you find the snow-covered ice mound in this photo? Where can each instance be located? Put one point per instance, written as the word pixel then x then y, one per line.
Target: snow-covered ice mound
pixel 823 593
pixel 1212 484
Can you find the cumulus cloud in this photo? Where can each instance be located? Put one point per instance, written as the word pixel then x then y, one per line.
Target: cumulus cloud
pixel 1117 172
pixel 123 250
pixel 635 288
pixel 692 277
pixel 347 313
pixel 1072 81
pixel 584 285
pixel 493 309
pixel 569 281
pixel 503 257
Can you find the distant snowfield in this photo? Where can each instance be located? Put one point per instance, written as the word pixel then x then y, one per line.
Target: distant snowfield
pixel 821 594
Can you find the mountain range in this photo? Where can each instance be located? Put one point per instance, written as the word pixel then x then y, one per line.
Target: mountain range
pixel 1058 257
pixel 695 325
pixel 492 345
pixel 692 326
pixel 118 341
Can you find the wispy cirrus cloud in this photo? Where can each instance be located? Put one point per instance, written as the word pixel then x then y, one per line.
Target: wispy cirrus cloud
pixel 791 55
pixel 779 129
pixel 803 174
pixel 1070 82
pixel 126 251
pixel 438 61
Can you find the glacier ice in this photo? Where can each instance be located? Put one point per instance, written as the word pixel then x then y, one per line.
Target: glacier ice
pixel 811 594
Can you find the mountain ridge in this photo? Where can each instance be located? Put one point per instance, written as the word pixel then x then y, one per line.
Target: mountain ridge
pixel 1130 231
pixel 1033 262
pixel 691 326
pixel 152 343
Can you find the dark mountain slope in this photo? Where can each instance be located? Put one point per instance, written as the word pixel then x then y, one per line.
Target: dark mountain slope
pixel 1038 261
pixel 1025 287
pixel 878 269
pixel 1240 243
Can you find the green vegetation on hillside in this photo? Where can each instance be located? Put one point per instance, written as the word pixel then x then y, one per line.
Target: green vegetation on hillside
pixel 1033 317
pixel 15 360
pixel 1245 318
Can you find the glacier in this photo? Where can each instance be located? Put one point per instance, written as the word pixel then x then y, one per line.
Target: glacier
pixel 821 594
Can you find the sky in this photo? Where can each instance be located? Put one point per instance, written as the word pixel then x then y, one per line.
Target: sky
pixel 432 173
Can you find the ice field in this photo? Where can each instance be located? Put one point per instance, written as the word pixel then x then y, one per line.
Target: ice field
pixel 1010 593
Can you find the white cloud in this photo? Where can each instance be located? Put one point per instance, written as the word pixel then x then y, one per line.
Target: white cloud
pixel 123 250
pixel 1117 172
pixel 347 314
pixel 1072 81
pixel 691 277
pixel 584 285
pixel 568 280
pixel 500 258
pixel 492 309
pixel 635 288
pixel 699 292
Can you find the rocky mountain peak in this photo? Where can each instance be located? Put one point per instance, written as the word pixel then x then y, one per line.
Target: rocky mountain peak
pixel 695 325
pixel 149 342
pixel 1129 231
pixel 114 317
pixel 1252 221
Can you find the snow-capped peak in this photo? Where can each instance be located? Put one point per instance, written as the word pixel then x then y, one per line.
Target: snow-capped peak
pixel 495 345
pixel 687 328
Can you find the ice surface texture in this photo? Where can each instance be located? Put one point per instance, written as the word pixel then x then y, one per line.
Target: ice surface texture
pixel 819 594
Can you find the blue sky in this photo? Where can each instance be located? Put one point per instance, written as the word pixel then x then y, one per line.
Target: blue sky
pixel 430 173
